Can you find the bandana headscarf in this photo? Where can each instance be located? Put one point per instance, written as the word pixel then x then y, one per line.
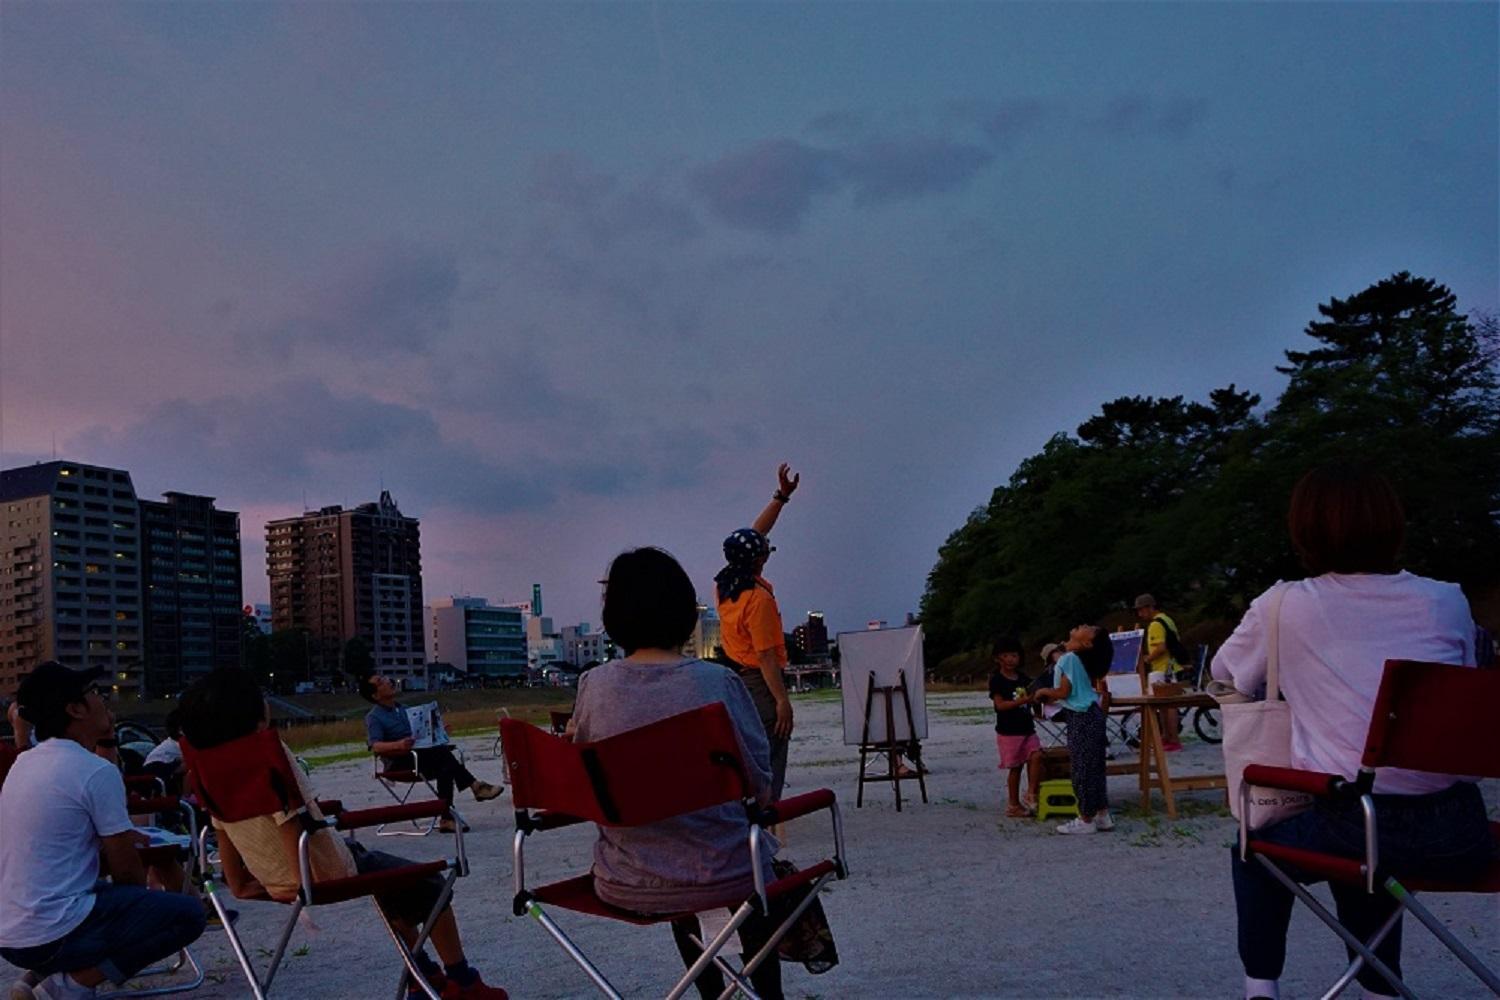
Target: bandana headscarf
pixel 742 550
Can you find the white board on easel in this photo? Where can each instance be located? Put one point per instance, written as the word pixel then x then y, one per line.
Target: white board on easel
pixel 883 654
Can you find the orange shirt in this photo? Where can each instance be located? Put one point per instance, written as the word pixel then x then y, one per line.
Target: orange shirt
pixel 751 624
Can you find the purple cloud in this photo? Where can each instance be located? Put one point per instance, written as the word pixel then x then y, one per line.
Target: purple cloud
pixel 769 186
pixel 1139 115
pixel 899 169
pixel 387 301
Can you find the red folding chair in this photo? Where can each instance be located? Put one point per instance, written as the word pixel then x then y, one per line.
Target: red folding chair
pixel 1432 717
pixel 400 771
pixel 251 777
pixel 679 765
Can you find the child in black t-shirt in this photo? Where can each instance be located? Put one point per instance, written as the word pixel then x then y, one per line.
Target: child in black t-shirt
pixel 1015 732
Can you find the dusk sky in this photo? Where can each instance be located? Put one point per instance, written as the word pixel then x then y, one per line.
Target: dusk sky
pixel 568 278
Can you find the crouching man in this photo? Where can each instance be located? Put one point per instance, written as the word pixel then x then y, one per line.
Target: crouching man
pixel 61 808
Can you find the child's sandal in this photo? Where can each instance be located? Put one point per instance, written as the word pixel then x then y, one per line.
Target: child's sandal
pixel 1016 812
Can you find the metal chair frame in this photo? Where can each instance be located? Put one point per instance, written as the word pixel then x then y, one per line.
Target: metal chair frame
pixel 457 866
pixel 1371 875
pixel 382 772
pixel 528 903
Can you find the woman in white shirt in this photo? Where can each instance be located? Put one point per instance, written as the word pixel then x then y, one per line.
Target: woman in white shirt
pixel 1336 630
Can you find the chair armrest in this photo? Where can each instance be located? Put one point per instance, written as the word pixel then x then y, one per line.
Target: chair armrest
pixel 136 805
pixel 795 806
pixel 1294 779
pixel 528 822
pixel 354 819
pixel 330 807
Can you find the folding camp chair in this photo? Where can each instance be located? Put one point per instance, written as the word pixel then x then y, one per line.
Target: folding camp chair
pixel 679 765
pixel 401 770
pixel 1428 717
pixel 251 777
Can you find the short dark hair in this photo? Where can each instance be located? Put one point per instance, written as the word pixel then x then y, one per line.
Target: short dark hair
pixel 173 724
pixel 649 601
pixel 1005 644
pixel 366 685
pixel 1099 655
pixel 1346 518
pixel 223 706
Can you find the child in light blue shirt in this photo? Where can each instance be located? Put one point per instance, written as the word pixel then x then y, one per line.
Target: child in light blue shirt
pixel 1088 656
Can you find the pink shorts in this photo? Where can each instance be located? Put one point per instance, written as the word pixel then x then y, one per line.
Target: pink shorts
pixel 1014 750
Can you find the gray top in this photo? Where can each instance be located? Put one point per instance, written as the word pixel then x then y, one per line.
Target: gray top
pixel 692 862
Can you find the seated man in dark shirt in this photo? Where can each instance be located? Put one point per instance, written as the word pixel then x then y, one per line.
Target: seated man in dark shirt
pixel 388 731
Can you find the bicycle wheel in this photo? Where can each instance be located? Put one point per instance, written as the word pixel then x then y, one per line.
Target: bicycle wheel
pixel 1206 724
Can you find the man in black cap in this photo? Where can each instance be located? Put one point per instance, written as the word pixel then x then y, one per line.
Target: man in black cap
pixel 61 807
pixel 750 623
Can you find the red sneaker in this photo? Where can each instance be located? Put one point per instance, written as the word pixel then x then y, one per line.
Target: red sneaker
pixel 1171 747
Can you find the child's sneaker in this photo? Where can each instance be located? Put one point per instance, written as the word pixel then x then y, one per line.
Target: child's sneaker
pixel 1103 822
pixel 1076 825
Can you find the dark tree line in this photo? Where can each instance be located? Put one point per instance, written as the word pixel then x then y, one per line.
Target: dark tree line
pixel 1188 499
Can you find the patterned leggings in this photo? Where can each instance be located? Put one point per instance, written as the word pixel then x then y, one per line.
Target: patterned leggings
pixel 1086 758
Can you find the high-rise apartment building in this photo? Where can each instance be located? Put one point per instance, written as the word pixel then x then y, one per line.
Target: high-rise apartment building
pixel 190 574
pixel 480 640
pixel 811 637
pixel 70 577
pixel 346 574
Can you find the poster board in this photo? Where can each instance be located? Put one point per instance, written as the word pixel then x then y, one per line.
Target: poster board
pixel 1127 651
pixel 426 726
pixel 1123 677
pixel 882 654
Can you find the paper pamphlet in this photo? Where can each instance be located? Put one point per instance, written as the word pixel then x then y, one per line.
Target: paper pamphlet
pixel 157 837
pixel 426 725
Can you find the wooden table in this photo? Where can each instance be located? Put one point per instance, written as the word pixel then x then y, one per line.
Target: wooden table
pixel 1152 768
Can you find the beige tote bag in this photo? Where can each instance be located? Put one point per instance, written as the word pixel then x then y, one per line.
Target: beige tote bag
pixel 1260 732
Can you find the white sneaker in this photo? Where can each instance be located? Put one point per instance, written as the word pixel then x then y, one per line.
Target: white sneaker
pixel 1076 825
pixel 61 986
pixel 1103 822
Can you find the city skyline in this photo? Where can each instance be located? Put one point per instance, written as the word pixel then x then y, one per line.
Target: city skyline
pixel 571 279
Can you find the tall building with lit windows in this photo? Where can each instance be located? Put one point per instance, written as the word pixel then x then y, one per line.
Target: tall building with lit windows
pixel 346 574
pixel 70 572
pixel 190 576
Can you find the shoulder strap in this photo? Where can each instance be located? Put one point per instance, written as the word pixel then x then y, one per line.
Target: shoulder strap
pixel 1273 643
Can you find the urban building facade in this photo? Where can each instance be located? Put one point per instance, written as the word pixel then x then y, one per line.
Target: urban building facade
pixel 350 574
pixel 479 640
pixel 705 642
pixel 190 576
pixel 583 647
pixel 544 646
pixel 70 577
pixel 811 637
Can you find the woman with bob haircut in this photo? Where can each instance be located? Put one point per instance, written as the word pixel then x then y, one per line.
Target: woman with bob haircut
pixel 693 862
pixel 1337 628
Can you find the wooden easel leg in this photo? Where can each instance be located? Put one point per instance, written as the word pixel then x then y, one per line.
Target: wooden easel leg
pixel 911 728
pixel 891 752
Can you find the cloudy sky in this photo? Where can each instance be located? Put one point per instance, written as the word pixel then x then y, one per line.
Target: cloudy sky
pixel 568 278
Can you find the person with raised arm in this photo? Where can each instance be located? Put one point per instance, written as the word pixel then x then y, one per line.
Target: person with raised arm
pixel 750 623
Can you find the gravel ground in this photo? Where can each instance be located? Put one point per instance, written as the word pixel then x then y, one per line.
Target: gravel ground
pixel 947 899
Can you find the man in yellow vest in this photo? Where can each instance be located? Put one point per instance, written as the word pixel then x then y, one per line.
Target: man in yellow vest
pixel 1159 665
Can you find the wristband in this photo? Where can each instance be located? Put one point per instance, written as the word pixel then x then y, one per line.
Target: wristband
pixel 781 497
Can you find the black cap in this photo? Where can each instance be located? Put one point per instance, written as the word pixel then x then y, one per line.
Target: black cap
pixel 51 687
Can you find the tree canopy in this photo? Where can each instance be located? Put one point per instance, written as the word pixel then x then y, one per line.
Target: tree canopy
pixel 1188 499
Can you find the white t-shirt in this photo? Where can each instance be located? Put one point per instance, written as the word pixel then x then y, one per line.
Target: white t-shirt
pixel 1336 632
pixel 165 752
pixel 58 802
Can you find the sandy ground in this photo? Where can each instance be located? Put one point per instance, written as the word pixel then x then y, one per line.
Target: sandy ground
pixel 947 899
